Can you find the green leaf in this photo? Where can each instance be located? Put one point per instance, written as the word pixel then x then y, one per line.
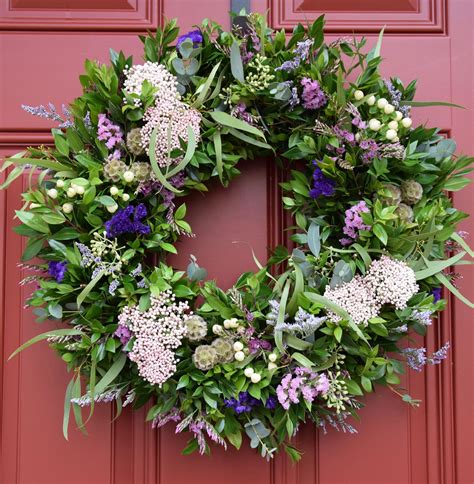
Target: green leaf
pixel 106 200
pixel 446 283
pixel 183 382
pixel 457 238
pixel 375 52
pixel 281 317
pixel 33 221
pixel 235 439
pixel 61 144
pixel 353 387
pixel 297 343
pixel 433 267
pixel 205 87
pixel 48 334
pixel 67 408
pixel 226 119
pixel 236 65
pixel 85 292
pixel 112 373
pixel 422 104
pixel 363 254
pixel 338 333
pixel 314 239
pixel 249 139
pixel 380 233
pixel 216 138
pixel 190 149
pixel 302 360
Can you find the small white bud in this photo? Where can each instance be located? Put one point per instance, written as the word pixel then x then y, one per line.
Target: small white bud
pixel 112 208
pixel 371 100
pixel 71 192
pixel 256 377
pixel 393 125
pixel 52 193
pixel 238 346
pixel 68 208
pixel 60 183
pixel 234 323
pixel 357 136
pixel 391 134
pixel 381 103
pixel 125 197
pixel 248 372
pixel 375 124
pixel 272 366
pixel 272 357
pixel 217 329
pixel 388 109
pixel 358 95
pixel 114 191
pixel 227 323
pixel 398 116
pixel 128 176
pixel 239 356
pixel 79 190
pixel 396 139
pixel 407 122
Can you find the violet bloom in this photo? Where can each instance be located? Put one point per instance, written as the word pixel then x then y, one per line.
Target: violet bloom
pixel 123 333
pixel 57 269
pixel 127 221
pixel 313 96
pixel 322 186
pixel 371 150
pixel 345 135
pixel 256 344
pixel 354 222
pixel 243 404
pixel 436 293
pixel 194 35
pixel 109 132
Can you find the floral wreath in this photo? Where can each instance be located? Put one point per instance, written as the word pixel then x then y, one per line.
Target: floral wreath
pixel 306 334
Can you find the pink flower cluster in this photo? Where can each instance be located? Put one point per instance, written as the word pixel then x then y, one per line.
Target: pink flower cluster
pixel 109 132
pixel 302 382
pixel 354 222
pixel 158 331
pixel 387 281
pixel 172 121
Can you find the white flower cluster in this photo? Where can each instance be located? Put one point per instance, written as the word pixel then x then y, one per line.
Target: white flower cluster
pixel 169 114
pixel 172 121
pixel 158 331
pixel 158 76
pixel 387 281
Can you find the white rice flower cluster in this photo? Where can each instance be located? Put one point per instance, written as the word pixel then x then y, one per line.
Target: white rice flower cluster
pixel 356 298
pixel 172 121
pixel 387 281
pixel 158 76
pixel 158 332
pixel 391 281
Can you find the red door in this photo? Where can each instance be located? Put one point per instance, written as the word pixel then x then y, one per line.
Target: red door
pixel 42 48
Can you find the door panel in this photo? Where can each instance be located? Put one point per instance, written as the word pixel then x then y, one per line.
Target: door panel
pixel 42 50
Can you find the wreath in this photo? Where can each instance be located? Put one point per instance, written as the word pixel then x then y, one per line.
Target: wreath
pixel 324 321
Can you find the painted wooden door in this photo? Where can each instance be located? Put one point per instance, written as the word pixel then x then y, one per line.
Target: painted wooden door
pixel 43 44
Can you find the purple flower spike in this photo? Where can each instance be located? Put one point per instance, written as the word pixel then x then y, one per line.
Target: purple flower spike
pixel 322 186
pixel 313 96
pixel 127 221
pixel 57 270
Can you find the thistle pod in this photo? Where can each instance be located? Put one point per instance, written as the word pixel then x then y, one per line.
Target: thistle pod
pixel 205 357
pixel 224 349
pixel 134 142
pixel 196 328
pixel 412 192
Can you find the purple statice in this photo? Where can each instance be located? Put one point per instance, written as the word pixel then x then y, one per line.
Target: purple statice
pixel 301 53
pixel 422 317
pixel 417 359
pixel 127 221
pixel 313 96
pixel 113 286
pixel 248 315
pixel 244 403
pixel 344 135
pixel 358 123
pixel 115 155
pixel 396 98
pixel 57 269
pixel 123 333
pixel 87 257
pixel 52 114
pixel 109 132
pixel 240 111
pixel 256 344
pixel 301 382
pixel 138 271
pixel 271 403
pixel 322 186
pixel 436 293
pixel 354 222
pixel 370 150
pixel 194 35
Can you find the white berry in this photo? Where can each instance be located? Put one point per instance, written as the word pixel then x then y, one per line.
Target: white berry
pixel 71 192
pixel 238 346
pixel 371 100
pixel 375 124
pixel 79 190
pixel 128 176
pixel 393 125
pixel 60 183
pixel 272 357
pixel 256 377
pixel 248 372
pixel 272 366
pixel 398 116
pixel 114 191
pixel 112 208
pixel 358 95
pixel 388 109
pixel 396 139
pixel 381 103
pixel 391 134
pixel 357 136
pixel 125 197
pixel 52 193
pixel 67 208
pixel 217 329
pixel 227 323
pixel 407 122
pixel 239 356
